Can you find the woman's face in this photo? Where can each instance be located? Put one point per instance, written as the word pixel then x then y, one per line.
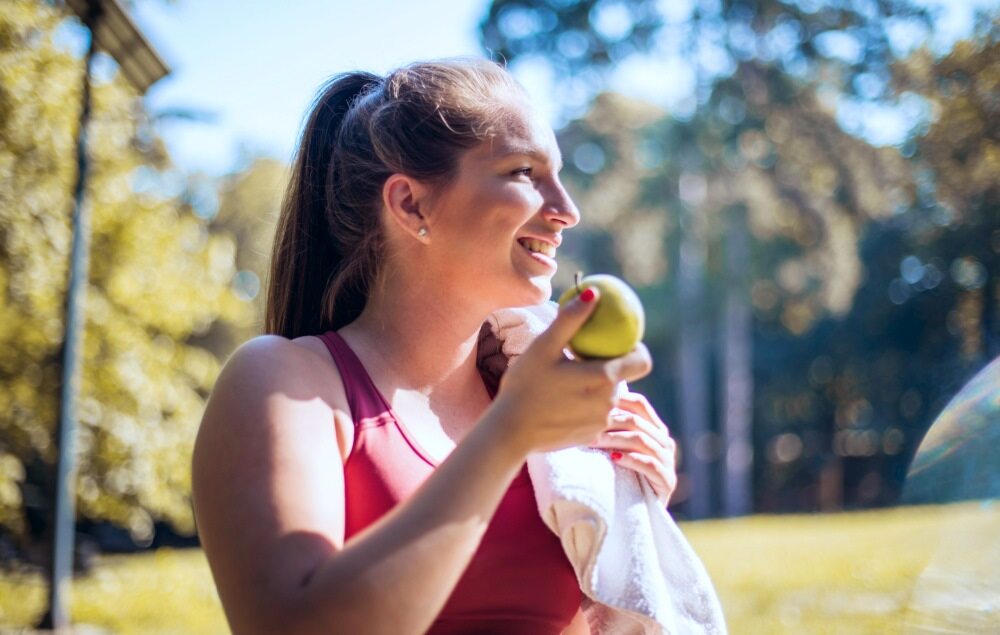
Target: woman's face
pixel 497 225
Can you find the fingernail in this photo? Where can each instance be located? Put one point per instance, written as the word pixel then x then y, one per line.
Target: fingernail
pixel 616 456
pixel 587 295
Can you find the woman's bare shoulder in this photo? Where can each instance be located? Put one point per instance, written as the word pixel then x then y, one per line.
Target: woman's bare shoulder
pixel 294 369
pixel 303 361
pixel 274 393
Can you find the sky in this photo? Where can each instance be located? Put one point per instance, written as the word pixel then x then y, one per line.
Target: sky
pixel 256 65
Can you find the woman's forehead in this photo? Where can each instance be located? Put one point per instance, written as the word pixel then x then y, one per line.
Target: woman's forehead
pixel 521 131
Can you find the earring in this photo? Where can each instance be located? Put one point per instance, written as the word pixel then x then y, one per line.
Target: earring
pixel 422 232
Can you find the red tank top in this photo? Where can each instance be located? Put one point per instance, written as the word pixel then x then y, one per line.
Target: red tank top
pixel 519 581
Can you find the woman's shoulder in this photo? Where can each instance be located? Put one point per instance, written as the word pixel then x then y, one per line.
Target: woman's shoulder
pixel 287 372
pixel 277 362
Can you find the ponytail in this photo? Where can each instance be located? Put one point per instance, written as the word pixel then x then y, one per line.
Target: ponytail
pixel 305 258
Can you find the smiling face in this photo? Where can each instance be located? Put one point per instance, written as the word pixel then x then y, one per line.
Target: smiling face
pixel 495 227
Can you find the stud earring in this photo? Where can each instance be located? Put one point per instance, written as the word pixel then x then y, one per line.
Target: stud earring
pixel 422 232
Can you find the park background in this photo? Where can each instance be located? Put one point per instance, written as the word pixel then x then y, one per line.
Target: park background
pixel 805 193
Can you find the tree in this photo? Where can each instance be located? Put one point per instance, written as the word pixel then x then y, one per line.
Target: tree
pixel 957 161
pixel 923 319
pixel 768 140
pixel 159 275
pixel 249 203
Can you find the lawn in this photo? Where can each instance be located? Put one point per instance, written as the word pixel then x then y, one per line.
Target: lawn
pixel 906 570
pixel 909 570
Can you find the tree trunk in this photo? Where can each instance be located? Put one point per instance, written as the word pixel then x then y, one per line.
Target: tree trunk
pixel 736 385
pixel 692 372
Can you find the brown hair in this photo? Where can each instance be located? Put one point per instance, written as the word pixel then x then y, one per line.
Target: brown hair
pixel 362 129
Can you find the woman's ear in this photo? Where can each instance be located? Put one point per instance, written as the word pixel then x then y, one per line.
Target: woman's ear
pixel 405 199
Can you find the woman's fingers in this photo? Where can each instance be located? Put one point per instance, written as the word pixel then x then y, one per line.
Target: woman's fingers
pixel 639 442
pixel 623 420
pixel 629 367
pixel 634 411
pixel 661 477
pixel 638 439
pixel 637 403
pixel 630 441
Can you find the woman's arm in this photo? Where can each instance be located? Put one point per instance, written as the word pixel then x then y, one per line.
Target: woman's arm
pixel 268 489
pixel 579 625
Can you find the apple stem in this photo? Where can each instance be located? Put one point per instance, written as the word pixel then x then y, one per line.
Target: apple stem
pixel 577 277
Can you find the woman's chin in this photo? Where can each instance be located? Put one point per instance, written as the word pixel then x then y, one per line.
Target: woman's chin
pixel 542 287
pixel 529 293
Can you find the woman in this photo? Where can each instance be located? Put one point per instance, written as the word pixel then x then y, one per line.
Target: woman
pixel 354 473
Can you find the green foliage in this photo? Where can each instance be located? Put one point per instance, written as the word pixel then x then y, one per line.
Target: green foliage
pixel 874 273
pixel 249 202
pixel 158 276
pixel 804 187
pixel 583 40
pixel 515 28
pixel 925 317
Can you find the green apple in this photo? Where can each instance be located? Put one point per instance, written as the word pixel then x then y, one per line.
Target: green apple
pixel 616 324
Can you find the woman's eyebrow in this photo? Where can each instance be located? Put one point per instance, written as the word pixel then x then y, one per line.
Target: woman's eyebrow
pixel 534 152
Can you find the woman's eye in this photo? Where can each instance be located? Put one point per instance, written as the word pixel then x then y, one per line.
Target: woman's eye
pixel 522 172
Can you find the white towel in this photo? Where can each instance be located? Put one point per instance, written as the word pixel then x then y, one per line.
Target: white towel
pixel 637 571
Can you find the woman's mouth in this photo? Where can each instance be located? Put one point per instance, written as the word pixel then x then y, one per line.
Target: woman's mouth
pixel 540 252
pixel 538 247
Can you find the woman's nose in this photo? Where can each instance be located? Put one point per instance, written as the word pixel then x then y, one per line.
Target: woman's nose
pixel 560 207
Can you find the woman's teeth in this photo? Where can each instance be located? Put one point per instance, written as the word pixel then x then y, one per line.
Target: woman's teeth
pixel 539 247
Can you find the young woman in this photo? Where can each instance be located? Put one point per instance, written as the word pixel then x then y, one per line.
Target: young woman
pixel 354 473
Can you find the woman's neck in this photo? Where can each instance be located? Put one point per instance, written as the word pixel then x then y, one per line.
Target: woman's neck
pixel 414 343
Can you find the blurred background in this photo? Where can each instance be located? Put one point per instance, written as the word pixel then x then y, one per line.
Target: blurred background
pixel 805 194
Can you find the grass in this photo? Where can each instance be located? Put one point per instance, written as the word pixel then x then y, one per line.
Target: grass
pixel 165 592
pixel 906 570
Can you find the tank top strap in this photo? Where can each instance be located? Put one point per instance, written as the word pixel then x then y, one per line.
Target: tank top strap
pixel 363 396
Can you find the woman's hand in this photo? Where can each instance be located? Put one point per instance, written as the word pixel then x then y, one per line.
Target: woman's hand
pixel 552 402
pixel 638 439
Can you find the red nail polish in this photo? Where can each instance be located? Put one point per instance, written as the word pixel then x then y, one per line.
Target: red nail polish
pixel 616 456
pixel 587 295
